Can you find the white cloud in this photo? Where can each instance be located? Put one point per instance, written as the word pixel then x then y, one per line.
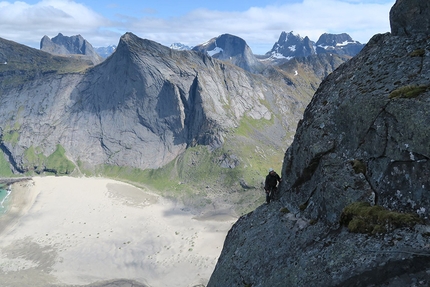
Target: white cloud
pixel 260 27
pixel 27 24
pixel 264 25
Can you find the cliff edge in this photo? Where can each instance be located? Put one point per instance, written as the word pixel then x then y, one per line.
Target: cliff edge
pixel 355 198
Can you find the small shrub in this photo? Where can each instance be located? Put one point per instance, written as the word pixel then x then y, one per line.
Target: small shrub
pixel 303 206
pixel 418 53
pixel 361 217
pixel 408 92
pixel 358 166
pixel 284 210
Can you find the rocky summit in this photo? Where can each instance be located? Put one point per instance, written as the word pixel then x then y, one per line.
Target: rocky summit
pixel 231 49
pixel 74 45
pixel 354 204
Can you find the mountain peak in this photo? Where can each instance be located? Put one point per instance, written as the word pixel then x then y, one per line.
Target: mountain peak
pixel 290 46
pixel 73 45
pixel 233 49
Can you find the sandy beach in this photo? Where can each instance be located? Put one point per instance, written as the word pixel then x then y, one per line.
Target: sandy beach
pixel 64 231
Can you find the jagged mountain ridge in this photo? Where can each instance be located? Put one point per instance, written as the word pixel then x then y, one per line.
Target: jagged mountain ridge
pixel 180 47
pixel 141 108
pixel 363 138
pixel 75 45
pixel 291 46
pixel 235 50
pixel 226 47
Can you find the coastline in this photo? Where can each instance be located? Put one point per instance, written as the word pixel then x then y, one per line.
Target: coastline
pixel 78 231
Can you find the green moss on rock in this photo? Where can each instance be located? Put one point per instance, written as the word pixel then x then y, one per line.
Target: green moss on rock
pixel 418 53
pixel 358 166
pixel 58 163
pixel 284 210
pixel 408 92
pixel 303 206
pixel 361 217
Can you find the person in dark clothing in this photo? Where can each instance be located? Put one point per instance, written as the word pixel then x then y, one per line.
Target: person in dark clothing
pixel 270 185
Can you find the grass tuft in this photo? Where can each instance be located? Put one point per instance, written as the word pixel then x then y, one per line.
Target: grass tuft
pixel 361 217
pixel 408 92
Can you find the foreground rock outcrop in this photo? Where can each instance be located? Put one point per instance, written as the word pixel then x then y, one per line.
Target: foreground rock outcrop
pixel 363 138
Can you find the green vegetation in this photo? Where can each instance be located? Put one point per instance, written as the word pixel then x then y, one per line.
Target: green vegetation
pixel 408 92
pixel 284 210
pixel 303 206
pixel 358 166
pixel 25 64
pixel 418 53
pixel 58 162
pixel 5 167
pixel 248 125
pixel 11 134
pixel 34 160
pixel 361 217
pixel 196 178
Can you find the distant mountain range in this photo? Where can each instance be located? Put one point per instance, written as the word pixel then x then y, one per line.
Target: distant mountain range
pixel 105 52
pixel 180 47
pixel 288 46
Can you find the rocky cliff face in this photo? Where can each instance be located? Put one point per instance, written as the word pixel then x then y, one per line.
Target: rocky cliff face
pixel 74 45
pixel 354 203
pixel 140 108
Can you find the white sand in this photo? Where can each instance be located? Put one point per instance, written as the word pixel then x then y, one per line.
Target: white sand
pixel 77 231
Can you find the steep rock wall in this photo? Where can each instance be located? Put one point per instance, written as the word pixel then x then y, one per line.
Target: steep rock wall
pixel 363 138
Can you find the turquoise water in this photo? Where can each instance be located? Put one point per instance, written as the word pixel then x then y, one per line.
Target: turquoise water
pixel 4 199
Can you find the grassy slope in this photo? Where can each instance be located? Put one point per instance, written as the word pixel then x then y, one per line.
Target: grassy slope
pixel 19 63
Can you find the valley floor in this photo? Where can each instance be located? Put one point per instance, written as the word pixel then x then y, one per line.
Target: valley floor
pixel 64 231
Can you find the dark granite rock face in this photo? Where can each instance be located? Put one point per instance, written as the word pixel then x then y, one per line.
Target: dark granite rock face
pixel 363 138
pixel 409 17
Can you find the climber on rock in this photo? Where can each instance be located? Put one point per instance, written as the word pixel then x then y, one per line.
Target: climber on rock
pixel 270 185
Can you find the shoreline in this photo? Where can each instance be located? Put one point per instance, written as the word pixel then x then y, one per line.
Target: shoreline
pixel 78 231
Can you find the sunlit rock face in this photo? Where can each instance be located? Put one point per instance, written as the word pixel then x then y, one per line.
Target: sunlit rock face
pixel 140 108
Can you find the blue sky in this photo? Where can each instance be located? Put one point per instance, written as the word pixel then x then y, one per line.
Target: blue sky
pixel 259 23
